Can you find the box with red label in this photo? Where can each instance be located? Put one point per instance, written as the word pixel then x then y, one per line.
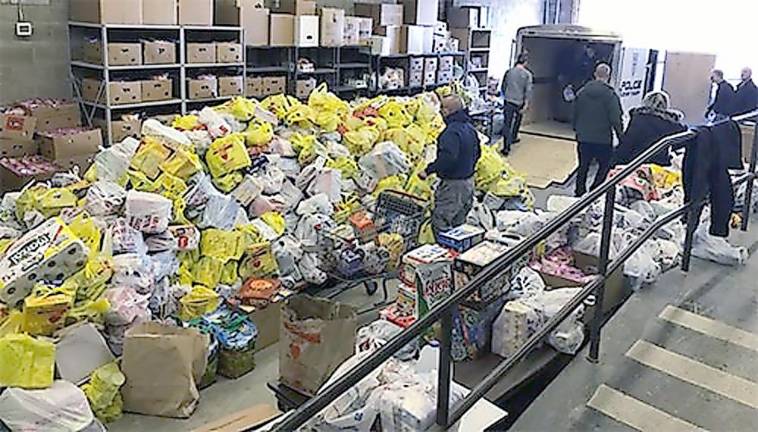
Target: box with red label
pixel 17 126
pixel 66 143
pixel 187 237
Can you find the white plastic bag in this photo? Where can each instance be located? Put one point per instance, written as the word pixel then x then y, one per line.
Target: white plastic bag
pixel 716 249
pixel 386 159
pixel 214 122
pixel 112 163
pixel 104 198
pixel 63 407
pixel 526 284
pixel 272 179
pixel 310 267
pixel 327 182
pixel 220 212
pixel 125 238
pixel 288 253
pixel 168 136
pixel 481 216
pixel 308 173
pixel 248 190
pixel 148 212
pixel 318 203
pixel 134 271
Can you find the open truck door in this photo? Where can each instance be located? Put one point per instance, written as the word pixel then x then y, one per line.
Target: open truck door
pixel 686 80
pixel 633 77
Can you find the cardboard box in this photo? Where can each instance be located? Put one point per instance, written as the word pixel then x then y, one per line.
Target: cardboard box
pixel 392 34
pixel 304 87
pixel 444 76
pixel 85 142
pixel 365 28
pixel 430 64
pixel 474 260
pixel 381 14
pixel 157 90
pixel 243 420
pixel 267 321
pixel 427 39
pixel 231 86
pixel 17 147
pixel 446 63
pixel 248 14
pixel 92 51
pixel 64 115
pixel 274 85
pixel 412 39
pixel 124 54
pixel 463 17
pixel 421 12
pixel 440 28
pixel 196 12
pixel 416 64
pixel 16 172
pixel 201 52
pixel 201 88
pixel 106 11
pixel 418 258
pixel 332 27
pixel 380 45
pixel 464 237
pixel 282 32
pixel 297 7
pixel 13 126
pixel 82 162
pixel 121 92
pixel 440 44
pixel 159 52
pixel 430 77
pixel 306 30
pixel 416 78
pixel 128 126
pixel 160 12
pixel 351 31
pixel 228 52
pixel 254 87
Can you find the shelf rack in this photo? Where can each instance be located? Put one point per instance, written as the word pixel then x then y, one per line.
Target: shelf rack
pixel 179 71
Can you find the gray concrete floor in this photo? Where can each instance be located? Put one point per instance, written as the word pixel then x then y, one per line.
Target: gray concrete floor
pixel 728 295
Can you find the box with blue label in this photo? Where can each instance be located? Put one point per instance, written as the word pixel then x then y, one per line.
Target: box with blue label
pixel 462 238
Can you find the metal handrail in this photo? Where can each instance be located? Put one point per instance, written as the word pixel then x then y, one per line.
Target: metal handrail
pixel 443 311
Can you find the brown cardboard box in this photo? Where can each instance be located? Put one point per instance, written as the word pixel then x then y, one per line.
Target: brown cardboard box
pixel 83 162
pixel 274 85
pixel 231 86
pixel 92 51
pixel 248 14
pixel 157 90
pixel 412 39
pixel 421 12
pixel 415 79
pixel 160 12
pixel 196 12
pixel 416 64
pixel 16 147
pixel 332 27
pixel 128 126
pixel 267 321
pixel 382 14
pixel 65 115
pixel 85 142
pixel 106 11
pixel 201 52
pixel 124 54
pixel 306 30
pixel 17 172
pixel 304 87
pixel 19 127
pixel 246 419
pixel 297 7
pixel 202 89
pixel 254 87
pixel 228 52
pixel 351 32
pixel 365 28
pixel 159 52
pixel 121 92
pixel 282 31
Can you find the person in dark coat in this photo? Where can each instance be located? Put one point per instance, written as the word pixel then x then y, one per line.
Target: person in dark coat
pixel 746 97
pixel 722 105
pixel 597 115
pixel 458 152
pixel 649 123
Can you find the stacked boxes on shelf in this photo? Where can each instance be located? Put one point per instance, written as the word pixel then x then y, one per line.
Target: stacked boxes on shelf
pixel 387 21
pixel 420 18
pixel 148 12
pixel 415 72
pixel 469 25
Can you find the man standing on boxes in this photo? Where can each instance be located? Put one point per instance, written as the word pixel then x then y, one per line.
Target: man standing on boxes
pixel 457 154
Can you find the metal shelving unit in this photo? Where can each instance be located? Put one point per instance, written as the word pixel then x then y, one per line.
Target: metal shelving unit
pixel 106 73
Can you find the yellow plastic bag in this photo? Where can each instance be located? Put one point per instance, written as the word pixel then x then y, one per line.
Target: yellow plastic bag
pixel 227 154
pixel 665 178
pixel 396 114
pixel 279 104
pixel 26 362
pixel 410 141
pixel 395 182
pixel 361 141
pixel 426 234
pixel 259 261
pixel 186 123
pixel 140 182
pixel 207 271
pixel 346 165
pixel 171 187
pixel 198 302
pixel 490 167
pixel 395 245
pixel 259 133
pixel 86 230
pixel 250 235
pixel 240 108
pixel 228 182
pixel 149 157
pixel 229 274
pixel 88 311
pixel 45 312
pixel 12 324
pixel 300 115
pixel 222 245
pixel 183 164
pixel 51 202
pixel 103 394
pixel 322 100
pixel 417 187
pixel 275 220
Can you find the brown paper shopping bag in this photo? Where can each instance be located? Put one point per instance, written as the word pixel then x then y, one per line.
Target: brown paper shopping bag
pixel 317 335
pixel 162 365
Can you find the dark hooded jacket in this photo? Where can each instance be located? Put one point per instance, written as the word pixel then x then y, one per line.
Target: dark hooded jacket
pixel 746 98
pixel 646 127
pixel 723 103
pixel 597 113
pixel 458 149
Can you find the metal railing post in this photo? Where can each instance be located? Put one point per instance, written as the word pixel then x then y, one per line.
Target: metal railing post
pixel 444 375
pixel 692 224
pixel 748 202
pixel 605 247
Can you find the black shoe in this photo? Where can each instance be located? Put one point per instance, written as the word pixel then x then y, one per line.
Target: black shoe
pixel 517 140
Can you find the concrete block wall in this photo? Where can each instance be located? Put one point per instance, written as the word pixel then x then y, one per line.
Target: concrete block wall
pixel 39 65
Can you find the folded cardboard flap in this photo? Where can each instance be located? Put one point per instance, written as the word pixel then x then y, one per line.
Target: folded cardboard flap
pixel 242 420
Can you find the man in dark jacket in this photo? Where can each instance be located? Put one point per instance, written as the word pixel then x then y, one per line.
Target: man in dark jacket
pixel 597 115
pixel 746 98
pixel 722 105
pixel 457 154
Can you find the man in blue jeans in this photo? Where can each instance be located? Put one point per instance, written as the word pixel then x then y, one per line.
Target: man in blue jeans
pixel 517 90
pixel 597 115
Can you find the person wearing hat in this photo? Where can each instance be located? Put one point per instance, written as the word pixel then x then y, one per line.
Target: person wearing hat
pixel 648 124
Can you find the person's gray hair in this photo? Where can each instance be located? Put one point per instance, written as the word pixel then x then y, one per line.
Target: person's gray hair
pixel 453 102
pixel 657 100
pixel 719 73
pixel 603 71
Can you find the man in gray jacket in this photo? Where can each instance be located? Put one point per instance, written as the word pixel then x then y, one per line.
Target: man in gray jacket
pixel 597 115
pixel 517 90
